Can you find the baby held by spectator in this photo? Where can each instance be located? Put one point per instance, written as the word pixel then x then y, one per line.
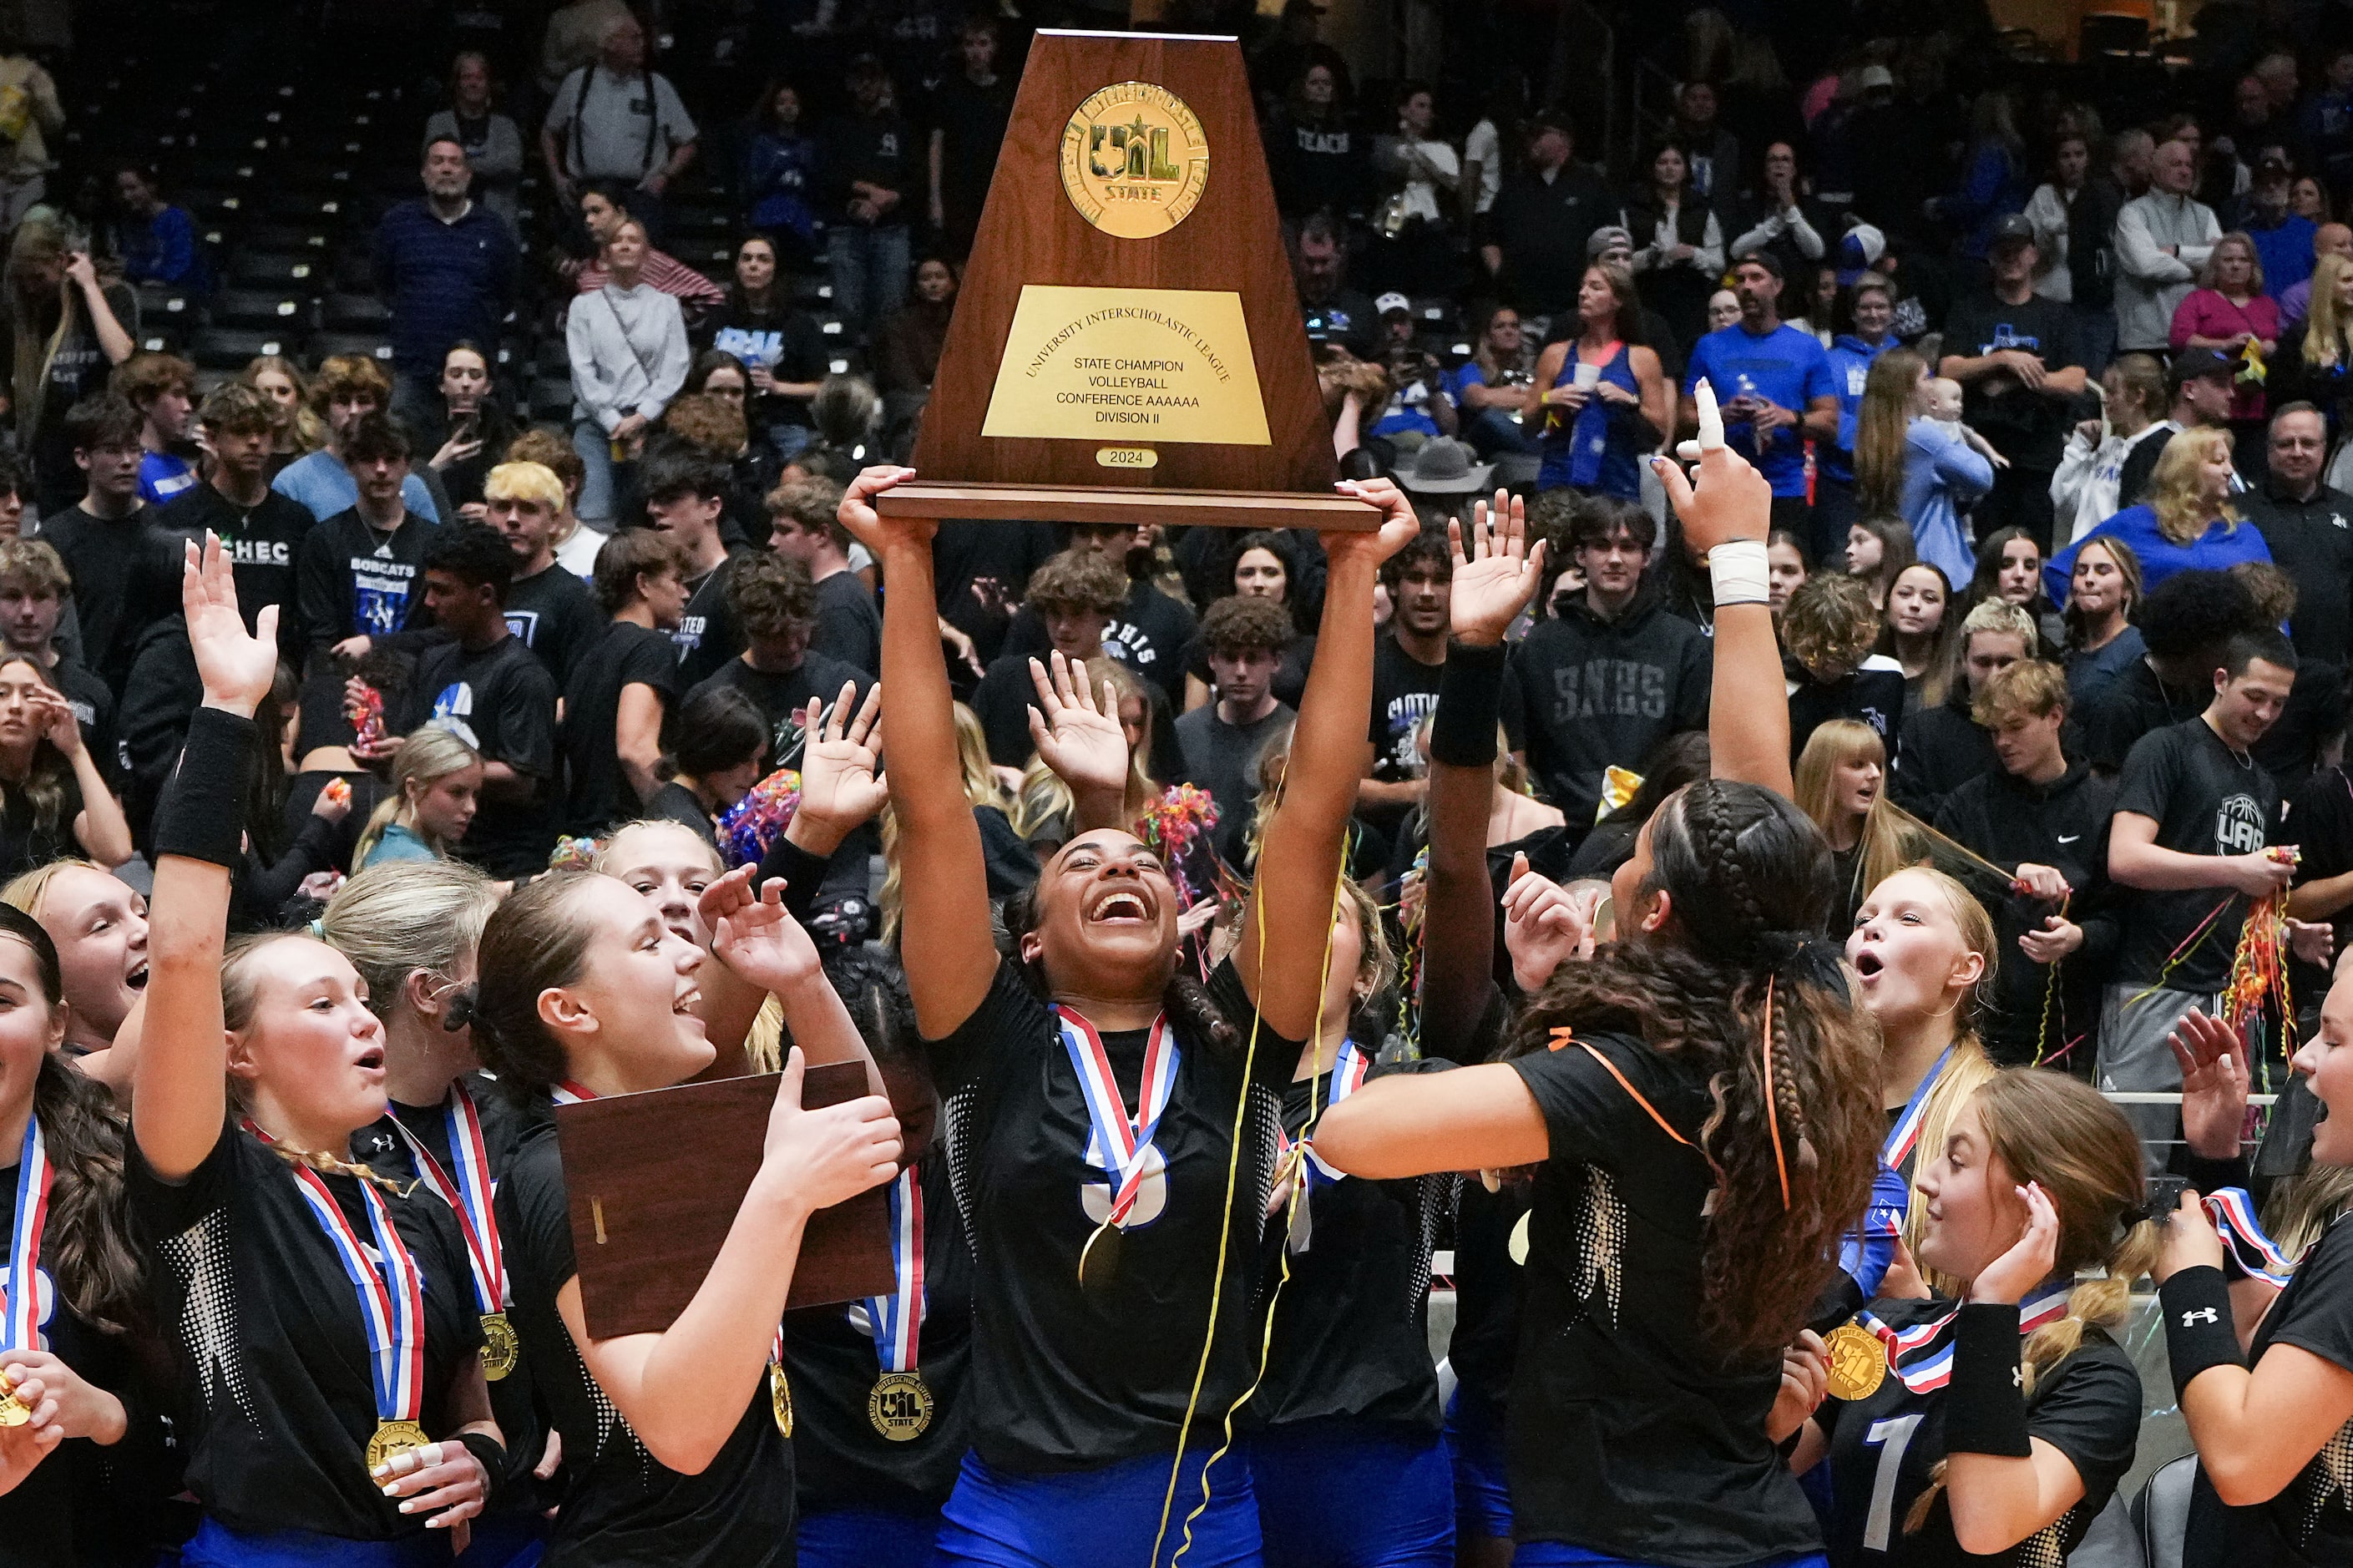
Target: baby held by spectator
pixel 1942 400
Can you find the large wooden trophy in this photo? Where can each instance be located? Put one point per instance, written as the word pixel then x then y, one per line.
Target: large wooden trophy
pixel 1127 345
pixel 654 1180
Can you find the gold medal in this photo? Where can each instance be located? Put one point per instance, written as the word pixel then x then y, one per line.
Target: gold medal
pixel 780 1398
pixel 500 1349
pixel 1857 1361
pixel 901 1405
pixel 1099 1261
pixel 392 1437
pixel 14 1412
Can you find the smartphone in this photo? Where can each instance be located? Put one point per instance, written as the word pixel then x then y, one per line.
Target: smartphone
pixel 2165 1196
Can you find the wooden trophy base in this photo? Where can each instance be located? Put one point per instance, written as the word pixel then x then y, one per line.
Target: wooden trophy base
pixel 1011 503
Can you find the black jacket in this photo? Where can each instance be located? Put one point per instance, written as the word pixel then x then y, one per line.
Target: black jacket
pixel 1596 692
pixel 2312 541
pixel 2063 825
pixel 1943 749
pixel 1872 695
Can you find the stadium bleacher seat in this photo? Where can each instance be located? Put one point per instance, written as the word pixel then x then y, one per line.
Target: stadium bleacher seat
pixel 259 310
pixel 228 348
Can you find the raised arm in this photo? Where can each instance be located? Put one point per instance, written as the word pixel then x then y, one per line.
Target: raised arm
pixel 1730 510
pixel 1495 575
pixel 180 1099
pixel 1299 865
pixel 949 971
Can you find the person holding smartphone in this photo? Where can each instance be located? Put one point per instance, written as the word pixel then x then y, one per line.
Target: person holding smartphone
pixel 475 429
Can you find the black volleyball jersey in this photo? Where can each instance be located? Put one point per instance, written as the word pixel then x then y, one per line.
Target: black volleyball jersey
pixel 1488 1282
pixel 1072 1378
pixel 2311 1519
pixel 272 1345
pixel 384 1150
pixel 1884 1448
pixel 620 1506
pixel 1352 1321
pixel 1630 1434
pixel 842 1458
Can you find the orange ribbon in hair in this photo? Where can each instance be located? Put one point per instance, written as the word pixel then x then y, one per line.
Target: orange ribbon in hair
pixel 1772 1110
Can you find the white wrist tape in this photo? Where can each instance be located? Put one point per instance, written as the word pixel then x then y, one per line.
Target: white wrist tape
pixel 1737 569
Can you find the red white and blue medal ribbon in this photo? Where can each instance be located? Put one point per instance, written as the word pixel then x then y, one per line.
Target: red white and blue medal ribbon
pixel 391 1296
pixel 1906 1131
pixel 1922 1354
pixel 20 1305
pixel 1119 1145
pixel 466 1191
pixel 1349 1065
pixel 570 1093
pixel 2246 1249
pixel 896 1321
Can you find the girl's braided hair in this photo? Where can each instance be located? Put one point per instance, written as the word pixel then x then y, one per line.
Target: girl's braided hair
pixel 1749 884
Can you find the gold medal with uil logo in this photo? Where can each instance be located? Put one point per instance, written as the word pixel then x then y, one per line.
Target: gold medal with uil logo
pixel 1857 1361
pixel 1135 161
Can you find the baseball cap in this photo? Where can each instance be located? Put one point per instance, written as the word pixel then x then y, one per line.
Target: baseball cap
pixel 1765 258
pixel 2191 363
pixel 1393 301
pixel 1875 76
pixel 2013 228
pixel 1859 252
pixel 1603 238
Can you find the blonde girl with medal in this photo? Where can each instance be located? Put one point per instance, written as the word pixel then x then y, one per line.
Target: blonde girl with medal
pixel 410 928
pixel 1696 1102
pixel 79 1433
pixel 1923 952
pixel 676 1444
pixel 1112 1124
pixel 340 1410
pixel 1992 1425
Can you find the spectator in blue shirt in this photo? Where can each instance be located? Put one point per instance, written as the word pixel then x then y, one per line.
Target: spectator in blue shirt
pixel 447 268
pixel 779 177
pixel 1775 385
pixel 156 241
pixel 162 388
pixel 347 388
pixel 2283 239
pixel 2188 522
pixel 1868 307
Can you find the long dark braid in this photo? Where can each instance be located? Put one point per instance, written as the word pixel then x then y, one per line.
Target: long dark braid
pixel 1749 878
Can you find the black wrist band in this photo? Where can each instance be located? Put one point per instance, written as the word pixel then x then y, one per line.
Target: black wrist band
pixel 2210 1175
pixel 201 814
pixel 495 1465
pixel 803 871
pixel 2199 1329
pixel 1469 699
pixel 1984 1407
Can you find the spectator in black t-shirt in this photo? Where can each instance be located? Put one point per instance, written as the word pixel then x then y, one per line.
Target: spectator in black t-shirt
pixel 1407 667
pixel 1334 313
pixel 848 627
pixel 1537 229
pixel 723 751
pixel 780 346
pixel 1320 162
pixel 2186 623
pixel 1945 746
pixel 105 537
pixel 2015 354
pixel 259 530
pixel 56 800
pixel 487 688
pixel 2194 840
pixel 1152 630
pixel 1077 594
pixel 872 173
pixel 1829 628
pixel 34 588
pixel 686 492
pixel 968 112
pixel 2309 529
pixel 64 331
pixel 2203 385
pixel 770 600
pixel 624 685
pixel 549 608
pixel 1244 638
